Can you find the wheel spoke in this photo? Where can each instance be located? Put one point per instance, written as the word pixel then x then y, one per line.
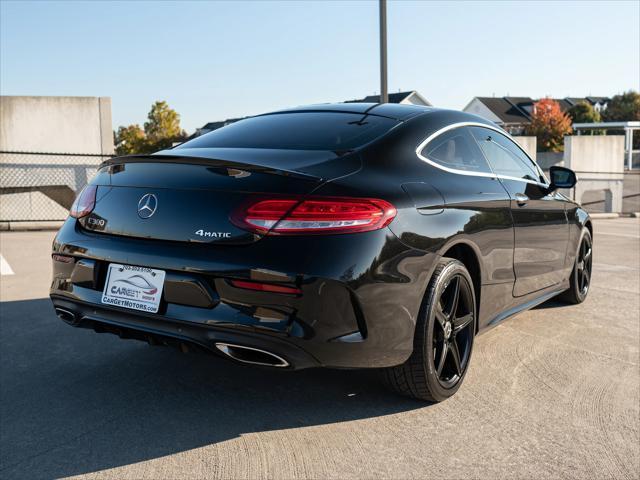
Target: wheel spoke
pixel 454 313
pixel 455 355
pixel 443 358
pixel 440 315
pixel 587 255
pixel 455 296
pixel 584 279
pixel 462 322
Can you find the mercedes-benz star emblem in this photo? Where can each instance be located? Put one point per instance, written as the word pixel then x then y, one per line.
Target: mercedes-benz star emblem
pixel 147 205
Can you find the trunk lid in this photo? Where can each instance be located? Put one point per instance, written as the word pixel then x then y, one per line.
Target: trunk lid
pixel 189 196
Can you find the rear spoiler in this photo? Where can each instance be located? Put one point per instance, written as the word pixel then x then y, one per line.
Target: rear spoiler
pixel 209 162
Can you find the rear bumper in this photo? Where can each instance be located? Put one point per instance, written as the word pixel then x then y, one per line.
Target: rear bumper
pixel 182 334
pixel 360 294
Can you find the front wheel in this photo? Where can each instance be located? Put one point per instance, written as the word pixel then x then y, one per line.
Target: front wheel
pixel 580 280
pixel 443 339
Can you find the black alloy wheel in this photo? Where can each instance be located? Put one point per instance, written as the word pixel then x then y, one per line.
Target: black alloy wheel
pixel 453 331
pixel 583 266
pixel 580 280
pixel 443 340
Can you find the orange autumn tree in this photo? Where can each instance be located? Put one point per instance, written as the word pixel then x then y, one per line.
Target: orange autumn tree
pixel 549 124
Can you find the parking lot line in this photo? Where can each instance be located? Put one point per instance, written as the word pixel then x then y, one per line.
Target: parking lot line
pixel 5 268
pixel 618 235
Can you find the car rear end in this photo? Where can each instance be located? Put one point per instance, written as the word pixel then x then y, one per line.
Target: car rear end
pixel 236 251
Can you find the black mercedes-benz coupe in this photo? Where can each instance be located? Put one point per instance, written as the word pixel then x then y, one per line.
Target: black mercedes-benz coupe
pixel 347 236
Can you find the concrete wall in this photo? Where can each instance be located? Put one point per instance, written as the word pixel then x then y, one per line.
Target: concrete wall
pixel 34 184
pixel 594 201
pixel 599 165
pixel 528 144
pixel 56 124
pixel 594 153
pixel 549 159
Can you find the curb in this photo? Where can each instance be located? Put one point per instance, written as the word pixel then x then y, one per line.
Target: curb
pixel 30 226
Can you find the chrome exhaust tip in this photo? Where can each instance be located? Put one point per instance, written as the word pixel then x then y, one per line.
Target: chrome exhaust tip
pixel 66 316
pixel 253 356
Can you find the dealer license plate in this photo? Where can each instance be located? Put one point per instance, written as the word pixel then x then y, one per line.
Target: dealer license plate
pixel 137 288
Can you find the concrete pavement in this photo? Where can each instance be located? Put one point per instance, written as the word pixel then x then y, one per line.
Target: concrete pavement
pixel 551 393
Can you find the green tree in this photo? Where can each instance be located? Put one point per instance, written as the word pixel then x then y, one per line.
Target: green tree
pixel 163 126
pixel 583 112
pixel 161 131
pixel 130 140
pixel 624 107
pixel 549 124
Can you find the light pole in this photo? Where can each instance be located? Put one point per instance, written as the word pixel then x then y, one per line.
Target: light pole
pixel 384 95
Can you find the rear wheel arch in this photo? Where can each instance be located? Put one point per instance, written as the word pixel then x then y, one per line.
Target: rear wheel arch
pixel 467 255
pixel 589 226
pixel 444 333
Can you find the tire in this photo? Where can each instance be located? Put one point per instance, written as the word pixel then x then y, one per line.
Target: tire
pixel 434 372
pixel 580 280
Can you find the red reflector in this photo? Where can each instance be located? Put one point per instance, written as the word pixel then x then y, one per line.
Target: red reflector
pixel 315 216
pixel 62 258
pixel 265 287
pixel 84 202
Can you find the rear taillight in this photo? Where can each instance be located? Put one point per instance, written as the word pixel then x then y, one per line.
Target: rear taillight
pixel 84 202
pixel 291 216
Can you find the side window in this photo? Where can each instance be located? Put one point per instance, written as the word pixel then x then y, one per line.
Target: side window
pixel 456 149
pixel 505 157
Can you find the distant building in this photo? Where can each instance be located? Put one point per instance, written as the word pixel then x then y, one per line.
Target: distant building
pixel 598 103
pixel 511 113
pixel 211 126
pixel 411 97
pixel 514 113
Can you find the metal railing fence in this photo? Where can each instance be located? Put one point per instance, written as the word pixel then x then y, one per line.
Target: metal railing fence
pixel 40 186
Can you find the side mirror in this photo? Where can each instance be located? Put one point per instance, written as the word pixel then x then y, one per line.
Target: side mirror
pixel 562 178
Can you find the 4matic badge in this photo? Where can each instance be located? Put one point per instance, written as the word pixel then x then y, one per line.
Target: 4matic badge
pixel 204 233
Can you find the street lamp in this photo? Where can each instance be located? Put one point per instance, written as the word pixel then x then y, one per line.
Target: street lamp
pixel 384 95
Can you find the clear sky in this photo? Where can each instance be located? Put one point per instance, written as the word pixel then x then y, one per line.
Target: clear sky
pixel 214 60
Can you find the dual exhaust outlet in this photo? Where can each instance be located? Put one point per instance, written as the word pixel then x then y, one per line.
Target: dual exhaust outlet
pixel 253 356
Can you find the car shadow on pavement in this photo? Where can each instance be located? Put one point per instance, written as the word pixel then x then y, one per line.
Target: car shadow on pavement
pixel 75 402
pixel 553 303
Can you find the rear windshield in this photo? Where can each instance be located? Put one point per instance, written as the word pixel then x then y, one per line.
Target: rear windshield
pixel 298 131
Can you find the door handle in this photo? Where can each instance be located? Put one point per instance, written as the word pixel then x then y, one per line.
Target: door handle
pixel 521 199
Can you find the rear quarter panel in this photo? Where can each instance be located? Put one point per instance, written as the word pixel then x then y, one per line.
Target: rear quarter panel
pixel 453 209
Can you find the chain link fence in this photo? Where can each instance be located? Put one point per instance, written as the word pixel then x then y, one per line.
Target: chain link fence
pixel 36 186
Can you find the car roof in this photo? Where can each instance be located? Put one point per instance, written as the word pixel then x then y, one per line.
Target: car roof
pixel 389 110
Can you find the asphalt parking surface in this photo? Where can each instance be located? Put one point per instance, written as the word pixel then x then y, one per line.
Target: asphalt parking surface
pixel 551 393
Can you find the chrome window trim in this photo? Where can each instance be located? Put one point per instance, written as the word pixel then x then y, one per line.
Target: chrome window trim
pixel 433 163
